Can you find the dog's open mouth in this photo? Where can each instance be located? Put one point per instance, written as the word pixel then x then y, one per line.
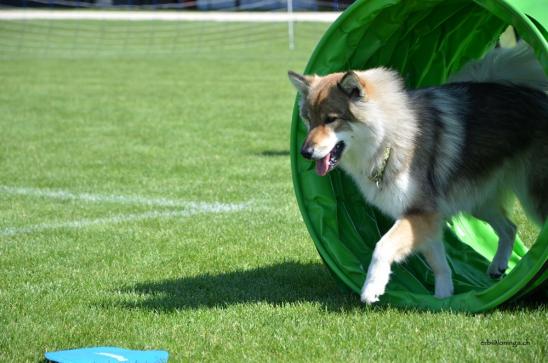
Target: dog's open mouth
pixel 328 162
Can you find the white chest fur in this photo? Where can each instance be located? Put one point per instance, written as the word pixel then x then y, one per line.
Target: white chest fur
pixel 392 196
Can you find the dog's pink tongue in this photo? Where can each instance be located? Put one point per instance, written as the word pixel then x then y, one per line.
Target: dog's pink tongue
pixel 322 165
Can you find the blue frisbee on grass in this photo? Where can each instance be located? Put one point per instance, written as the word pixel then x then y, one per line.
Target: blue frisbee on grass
pixel 107 355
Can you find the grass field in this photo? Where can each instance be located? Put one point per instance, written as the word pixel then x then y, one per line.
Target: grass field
pixel 104 143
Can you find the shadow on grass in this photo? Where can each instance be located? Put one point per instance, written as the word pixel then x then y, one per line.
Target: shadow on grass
pixel 274 153
pixel 534 301
pixel 279 284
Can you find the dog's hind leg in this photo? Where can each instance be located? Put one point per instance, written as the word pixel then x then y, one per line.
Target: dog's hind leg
pixel 434 253
pixel 406 235
pixel 506 231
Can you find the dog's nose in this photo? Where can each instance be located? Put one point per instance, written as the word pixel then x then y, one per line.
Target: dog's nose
pixel 307 152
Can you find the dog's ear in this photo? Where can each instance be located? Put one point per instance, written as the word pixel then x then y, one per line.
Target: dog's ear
pixel 351 86
pixel 301 82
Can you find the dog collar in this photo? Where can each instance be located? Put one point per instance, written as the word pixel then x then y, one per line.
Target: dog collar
pixel 378 174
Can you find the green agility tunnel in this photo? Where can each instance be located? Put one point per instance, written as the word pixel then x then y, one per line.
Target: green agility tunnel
pixel 426 41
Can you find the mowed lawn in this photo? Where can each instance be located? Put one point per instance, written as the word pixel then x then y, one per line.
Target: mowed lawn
pixel 146 202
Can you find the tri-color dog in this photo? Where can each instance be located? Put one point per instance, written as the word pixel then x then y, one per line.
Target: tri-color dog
pixel 423 155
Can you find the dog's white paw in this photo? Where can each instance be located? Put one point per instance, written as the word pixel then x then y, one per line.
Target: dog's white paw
pixel 444 288
pixel 498 267
pixel 371 292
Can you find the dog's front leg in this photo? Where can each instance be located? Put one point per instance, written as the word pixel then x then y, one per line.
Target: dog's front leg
pixel 405 236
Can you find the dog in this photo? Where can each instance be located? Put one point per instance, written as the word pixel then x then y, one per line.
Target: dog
pixel 423 155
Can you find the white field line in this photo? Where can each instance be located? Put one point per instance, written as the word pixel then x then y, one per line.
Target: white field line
pixel 218 16
pixel 118 199
pixel 186 208
pixel 79 224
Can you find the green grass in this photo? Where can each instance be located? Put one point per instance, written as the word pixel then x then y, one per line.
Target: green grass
pixel 115 115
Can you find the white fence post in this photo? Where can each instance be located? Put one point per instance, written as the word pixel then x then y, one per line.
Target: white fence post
pixel 290 28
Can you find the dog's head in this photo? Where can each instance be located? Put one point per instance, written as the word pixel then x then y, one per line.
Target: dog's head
pixel 329 108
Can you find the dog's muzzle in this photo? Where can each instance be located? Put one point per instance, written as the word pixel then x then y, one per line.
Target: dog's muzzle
pixel 307 151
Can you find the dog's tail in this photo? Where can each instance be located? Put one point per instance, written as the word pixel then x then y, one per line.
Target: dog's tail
pixel 517 65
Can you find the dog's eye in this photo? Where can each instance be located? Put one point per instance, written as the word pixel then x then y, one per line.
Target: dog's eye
pixel 329 119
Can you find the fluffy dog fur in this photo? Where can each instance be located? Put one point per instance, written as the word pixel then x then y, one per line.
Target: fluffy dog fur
pixel 421 156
